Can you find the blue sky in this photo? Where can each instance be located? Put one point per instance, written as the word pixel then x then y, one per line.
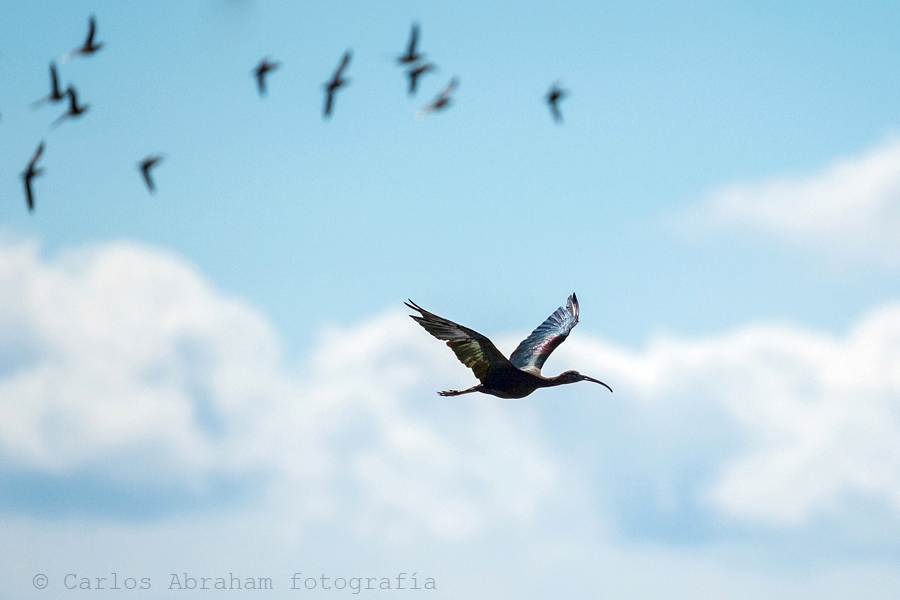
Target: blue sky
pixel 231 350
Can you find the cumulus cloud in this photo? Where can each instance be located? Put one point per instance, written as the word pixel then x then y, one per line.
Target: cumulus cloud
pixel 120 349
pixel 811 421
pixel 849 210
pixel 122 368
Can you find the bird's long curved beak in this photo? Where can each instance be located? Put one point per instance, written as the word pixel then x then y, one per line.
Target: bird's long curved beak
pixel 586 378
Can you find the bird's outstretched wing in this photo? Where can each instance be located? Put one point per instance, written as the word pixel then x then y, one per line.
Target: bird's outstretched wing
pixel 29 195
pixel 345 60
pixel 55 92
pixel 36 156
pixel 413 38
pixel 329 99
pixel 554 110
pixel 471 348
pixel 30 173
pixel 532 353
pixel 260 73
pixel 92 29
pixel 145 171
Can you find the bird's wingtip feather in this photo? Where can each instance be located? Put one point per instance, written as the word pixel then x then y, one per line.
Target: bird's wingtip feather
pixel 572 306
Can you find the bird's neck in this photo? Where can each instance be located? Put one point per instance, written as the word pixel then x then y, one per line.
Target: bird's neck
pixel 554 381
pixel 543 382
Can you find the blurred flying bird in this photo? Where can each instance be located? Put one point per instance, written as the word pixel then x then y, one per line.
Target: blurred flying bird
pixel 440 102
pixel 411 56
pixel 337 80
pixel 74 109
pixel 30 173
pixel 417 71
pixel 89 46
pixel 521 374
pixel 553 96
pixel 261 70
pixel 55 94
pixel 145 166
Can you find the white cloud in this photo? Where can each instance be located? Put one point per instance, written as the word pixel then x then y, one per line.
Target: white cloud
pixel 122 362
pixel 850 210
pixel 124 349
pixel 453 467
pixel 816 418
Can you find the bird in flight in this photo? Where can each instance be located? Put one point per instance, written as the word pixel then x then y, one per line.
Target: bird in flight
pixel 440 102
pixel 417 71
pixel 55 94
pixel 74 109
pixel 30 173
pixel 337 80
pixel 521 373
pixel 553 97
pixel 89 46
pixel 411 56
pixel 262 69
pixel 145 165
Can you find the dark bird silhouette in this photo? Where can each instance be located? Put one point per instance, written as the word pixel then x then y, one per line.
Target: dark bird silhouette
pixel 74 109
pixel 521 374
pixel 553 97
pixel 262 69
pixel 337 80
pixel 411 56
pixel 30 173
pixel 145 165
pixel 55 94
pixel 89 46
pixel 440 102
pixel 417 71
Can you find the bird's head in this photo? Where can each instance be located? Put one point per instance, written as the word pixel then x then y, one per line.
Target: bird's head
pixel 575 376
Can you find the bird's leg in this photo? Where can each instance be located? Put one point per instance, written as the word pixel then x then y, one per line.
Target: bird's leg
pixel 476 388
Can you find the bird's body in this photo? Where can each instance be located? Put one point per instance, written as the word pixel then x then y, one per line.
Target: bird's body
pixel 553 97
pixel 144 166
pixel 30 173
pixel 75 110
pixel 510 383
pixel 261 70
pixel 336 82
pixel 417 71
pixel 89 46
pixel 411 55
pixel 517 376
pixel 55 94
pixel 442 100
